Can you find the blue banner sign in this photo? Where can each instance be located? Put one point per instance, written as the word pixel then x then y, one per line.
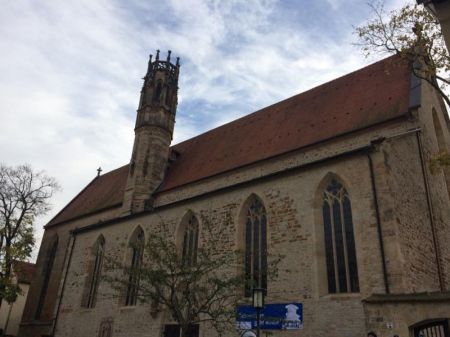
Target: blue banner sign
pixel 281 316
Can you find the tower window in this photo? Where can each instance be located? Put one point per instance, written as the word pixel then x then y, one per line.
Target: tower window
pixel 190 242
pixel 137 248
pixel 168 95
pixel 255 247
pixel 342 270
pixel 157 92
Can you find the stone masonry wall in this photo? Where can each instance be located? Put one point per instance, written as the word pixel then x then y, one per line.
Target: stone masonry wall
pixel 438 181
pixel 293 203
pixel 406 221
pixel 293 209
pixel 32 327
pixel 398 318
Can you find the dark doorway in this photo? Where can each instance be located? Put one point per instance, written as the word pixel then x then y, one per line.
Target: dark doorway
pixel 174 330
pixel 438 328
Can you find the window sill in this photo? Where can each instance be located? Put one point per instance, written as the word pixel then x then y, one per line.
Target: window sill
pixel 341 296
pixel 36 322
pixel 127 307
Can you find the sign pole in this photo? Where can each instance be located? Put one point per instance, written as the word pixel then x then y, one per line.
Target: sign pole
pixel 258 321
pixel 258 304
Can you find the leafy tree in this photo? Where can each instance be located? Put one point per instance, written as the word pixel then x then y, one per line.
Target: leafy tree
pixel 201 288
pixel 442 159
pixel 414 34
pixel 24 195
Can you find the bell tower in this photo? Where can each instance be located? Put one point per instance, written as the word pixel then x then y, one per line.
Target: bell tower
pixel 153 133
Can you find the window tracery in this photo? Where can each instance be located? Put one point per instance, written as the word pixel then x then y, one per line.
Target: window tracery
pixel 340 252
pixel 255 247
pixel 190 242
pixel 137 248
pixel 95 275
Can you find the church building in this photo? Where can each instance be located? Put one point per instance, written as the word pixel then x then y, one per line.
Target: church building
pixel 338 178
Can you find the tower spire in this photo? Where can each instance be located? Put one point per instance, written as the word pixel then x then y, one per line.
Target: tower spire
pixel 153 133
pixel 149 67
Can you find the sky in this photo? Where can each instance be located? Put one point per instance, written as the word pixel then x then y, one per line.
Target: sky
pixel 71 71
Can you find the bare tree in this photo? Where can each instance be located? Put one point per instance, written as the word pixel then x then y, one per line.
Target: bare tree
pixel 201 286
pixel 413 33
pixel 24 195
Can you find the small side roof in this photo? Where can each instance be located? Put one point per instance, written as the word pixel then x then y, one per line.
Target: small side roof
pixel 105 191
pixel 24 271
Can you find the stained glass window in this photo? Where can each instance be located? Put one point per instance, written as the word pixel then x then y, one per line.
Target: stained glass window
pixel 190 242
pixel 96 272
pixel 137 247
pixel 255 247
pixel 340 252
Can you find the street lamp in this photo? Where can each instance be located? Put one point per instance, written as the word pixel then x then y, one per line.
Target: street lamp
pixel 258 304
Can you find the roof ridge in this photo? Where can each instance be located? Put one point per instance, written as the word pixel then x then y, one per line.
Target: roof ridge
pixel 112 171
pixel 71 201
pixel 15 262
pixel 97 178
pixel 285 99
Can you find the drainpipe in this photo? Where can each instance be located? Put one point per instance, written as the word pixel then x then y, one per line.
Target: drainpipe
pixel 379 230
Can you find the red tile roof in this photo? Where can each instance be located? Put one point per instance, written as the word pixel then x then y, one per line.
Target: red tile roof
pixel 101 193
pixel 24 271
pixel 372 95
pixel 357 100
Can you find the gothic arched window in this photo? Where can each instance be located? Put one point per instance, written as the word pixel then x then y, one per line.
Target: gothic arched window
pixel 137 249
pixel 168 95
pixel 94 273
pixel 157 92
pixel 190 241
pixel 47 271
pixel 255 247
pixel 342 270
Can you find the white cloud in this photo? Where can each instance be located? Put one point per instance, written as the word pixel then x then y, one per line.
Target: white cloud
pixel 335 4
